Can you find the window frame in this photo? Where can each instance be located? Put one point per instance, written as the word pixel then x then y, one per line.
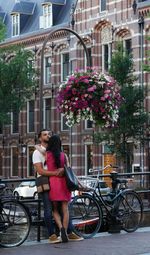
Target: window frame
pixel 109 44
pixel 63 123
pixel 15 24
pixel 100 6
pixel 12 123
pixel 125 44
pixel 86 157
pixel 45 71
pixel 86 126
pixel 63 77
pixel 44 113
pixel 47 15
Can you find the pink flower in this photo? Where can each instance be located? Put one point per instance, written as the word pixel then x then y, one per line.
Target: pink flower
pixel 91 89
pixel 102 98
pixel 107 91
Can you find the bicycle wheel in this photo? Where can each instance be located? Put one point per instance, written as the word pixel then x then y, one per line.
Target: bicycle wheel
pixel 86 215
pixel 14 223
pixel 130 210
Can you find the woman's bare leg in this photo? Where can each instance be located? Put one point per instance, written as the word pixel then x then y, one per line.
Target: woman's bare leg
pixel 56 215
pixel 65 212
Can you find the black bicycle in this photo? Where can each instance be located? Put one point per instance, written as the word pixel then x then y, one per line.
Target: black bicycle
pixel 15 221
pixel 121 206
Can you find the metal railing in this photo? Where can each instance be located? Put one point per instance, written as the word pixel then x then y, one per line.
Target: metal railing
pixel 144 192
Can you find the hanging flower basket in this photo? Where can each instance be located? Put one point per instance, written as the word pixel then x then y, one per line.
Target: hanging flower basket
pixel 89 95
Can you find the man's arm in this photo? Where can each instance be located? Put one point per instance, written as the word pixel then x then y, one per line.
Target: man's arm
pixel 39 169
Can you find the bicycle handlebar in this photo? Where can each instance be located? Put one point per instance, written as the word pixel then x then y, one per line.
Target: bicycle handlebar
pixel 91 170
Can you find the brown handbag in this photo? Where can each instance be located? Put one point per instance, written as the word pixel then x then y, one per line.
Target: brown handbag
pixel 42 183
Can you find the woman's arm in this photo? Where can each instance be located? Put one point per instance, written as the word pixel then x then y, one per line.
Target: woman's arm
pixel 39 169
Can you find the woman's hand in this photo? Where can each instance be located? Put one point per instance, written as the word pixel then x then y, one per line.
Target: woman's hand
pixel 60 172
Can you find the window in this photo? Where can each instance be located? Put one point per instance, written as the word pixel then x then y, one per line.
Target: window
pixel 88 124
pixel 47 113
pixel 102 5
pixel 31 116
pixel 128 46
pixel 15 122
pixel 15 24
pixel 47 70
pixel 106 56
pixel 47 15
pixel 65 65
pixel 90 56
pixel 64 126
pixel 14 161
pixel 29 160
pixel 88 157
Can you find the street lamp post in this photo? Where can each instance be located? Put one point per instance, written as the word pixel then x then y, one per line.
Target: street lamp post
pixel 141 29
pixel 52 32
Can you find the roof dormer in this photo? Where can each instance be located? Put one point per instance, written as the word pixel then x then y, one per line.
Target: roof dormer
pixel 24 7
pixel 46 20
pixel 21 12
pixel 49 11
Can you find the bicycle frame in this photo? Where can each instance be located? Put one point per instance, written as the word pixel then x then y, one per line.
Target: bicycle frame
pixel 111 204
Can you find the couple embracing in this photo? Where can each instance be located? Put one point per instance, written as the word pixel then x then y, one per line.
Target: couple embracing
pixel 49 160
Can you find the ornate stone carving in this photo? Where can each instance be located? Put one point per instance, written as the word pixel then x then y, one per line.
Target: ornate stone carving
pixel 106 35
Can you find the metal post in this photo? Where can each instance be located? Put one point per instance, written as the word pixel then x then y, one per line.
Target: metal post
pixel 141 27
pixel 52 32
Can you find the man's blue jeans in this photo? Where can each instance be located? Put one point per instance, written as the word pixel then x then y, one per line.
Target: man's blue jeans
pixel 48 217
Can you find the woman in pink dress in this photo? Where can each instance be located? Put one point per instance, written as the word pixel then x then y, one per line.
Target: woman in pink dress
pixel 59 192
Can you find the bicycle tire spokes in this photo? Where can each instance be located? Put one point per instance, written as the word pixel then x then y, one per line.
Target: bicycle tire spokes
pixel 86 216
pixel 130 211
pixel 16 224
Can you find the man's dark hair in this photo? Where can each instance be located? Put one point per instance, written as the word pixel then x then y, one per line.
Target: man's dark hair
pixel 42 130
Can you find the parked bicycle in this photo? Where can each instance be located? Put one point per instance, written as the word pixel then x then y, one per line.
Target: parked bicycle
pixel 121 206
pixel 15 221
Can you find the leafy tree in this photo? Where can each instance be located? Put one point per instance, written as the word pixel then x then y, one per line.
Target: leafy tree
pixel 147 66
pixel 17 79
pixel 2 30
pixel 132 115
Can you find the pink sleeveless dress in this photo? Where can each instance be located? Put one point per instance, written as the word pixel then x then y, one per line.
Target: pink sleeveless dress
pixel 58 188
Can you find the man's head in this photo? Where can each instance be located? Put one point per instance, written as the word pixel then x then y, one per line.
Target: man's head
pixel 44 135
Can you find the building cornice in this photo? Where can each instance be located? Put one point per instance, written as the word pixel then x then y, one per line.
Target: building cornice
pixel 32 39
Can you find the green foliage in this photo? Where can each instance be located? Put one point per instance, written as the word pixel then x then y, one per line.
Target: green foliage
pixel 121 67
pixel 2 30
pixel 17 81
pixel 132 115
pixel 146 67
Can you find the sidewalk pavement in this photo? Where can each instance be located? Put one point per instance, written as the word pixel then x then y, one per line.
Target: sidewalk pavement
pixel 137 243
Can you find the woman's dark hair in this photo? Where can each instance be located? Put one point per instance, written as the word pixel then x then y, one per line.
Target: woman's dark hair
pixel 54 146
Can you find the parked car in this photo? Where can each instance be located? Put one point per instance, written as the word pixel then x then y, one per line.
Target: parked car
pixel 26 189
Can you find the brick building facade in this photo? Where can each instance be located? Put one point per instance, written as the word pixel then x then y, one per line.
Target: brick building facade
pixel 100 23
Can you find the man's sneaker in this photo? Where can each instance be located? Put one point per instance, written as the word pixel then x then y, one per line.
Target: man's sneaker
pixel 63 235
pixel 54 239
pixel 73 237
